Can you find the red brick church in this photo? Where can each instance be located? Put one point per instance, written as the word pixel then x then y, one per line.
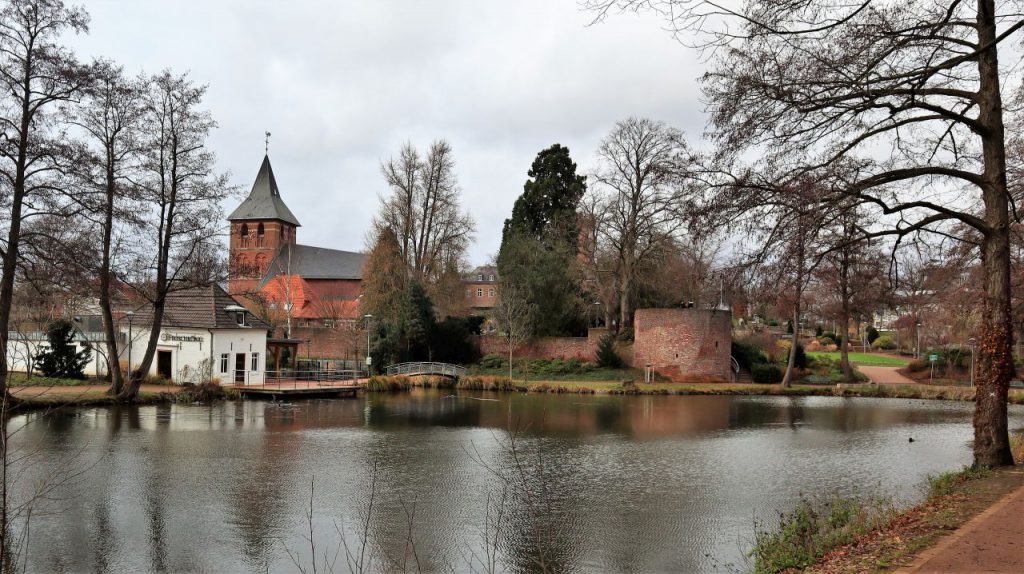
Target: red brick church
pixel 304 292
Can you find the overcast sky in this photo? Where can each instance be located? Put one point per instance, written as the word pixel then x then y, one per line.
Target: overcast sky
pixel 343 84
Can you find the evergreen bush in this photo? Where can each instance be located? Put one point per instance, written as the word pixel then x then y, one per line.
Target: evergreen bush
pixel 606 355
pixel 747 355
pixel 766 374
pixel 62 359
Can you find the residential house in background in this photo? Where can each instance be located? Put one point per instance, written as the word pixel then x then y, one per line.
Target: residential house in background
pixel 481 286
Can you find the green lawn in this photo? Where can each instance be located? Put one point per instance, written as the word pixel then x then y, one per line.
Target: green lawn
pixel 871 359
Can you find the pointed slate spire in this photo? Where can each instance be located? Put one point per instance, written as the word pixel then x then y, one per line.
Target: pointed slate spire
pixel 264 201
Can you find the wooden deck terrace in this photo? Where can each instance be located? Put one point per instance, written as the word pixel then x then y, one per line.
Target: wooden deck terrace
pixel 303 384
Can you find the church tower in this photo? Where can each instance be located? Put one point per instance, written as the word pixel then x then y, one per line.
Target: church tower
pixel 260 226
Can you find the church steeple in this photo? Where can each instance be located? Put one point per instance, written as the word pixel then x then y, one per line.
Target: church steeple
pixel 264 201
pixel 259 227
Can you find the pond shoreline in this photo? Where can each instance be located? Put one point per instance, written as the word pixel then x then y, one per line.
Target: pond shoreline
pixel 920 531
pixel 868 390
pixel 45 398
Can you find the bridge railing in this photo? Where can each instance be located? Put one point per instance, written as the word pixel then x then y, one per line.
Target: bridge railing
pixel 427 368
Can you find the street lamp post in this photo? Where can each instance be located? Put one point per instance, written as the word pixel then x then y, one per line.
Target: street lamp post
pixel 972 341
pixel 130 315
pixel 917 355
pixel 368 317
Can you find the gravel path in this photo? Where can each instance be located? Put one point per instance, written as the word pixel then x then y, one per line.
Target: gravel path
pixel 886 376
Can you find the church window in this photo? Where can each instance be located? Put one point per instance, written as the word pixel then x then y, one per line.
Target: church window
pixel 490 292
pixel 469 293
pixel 259 235
pixel 479 292
pixel 244 234
pixel 261 263
pixel 491 279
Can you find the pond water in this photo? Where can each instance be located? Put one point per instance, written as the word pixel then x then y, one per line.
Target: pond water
pixel 582 483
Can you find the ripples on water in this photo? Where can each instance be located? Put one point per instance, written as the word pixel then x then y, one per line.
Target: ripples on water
pixel 597 483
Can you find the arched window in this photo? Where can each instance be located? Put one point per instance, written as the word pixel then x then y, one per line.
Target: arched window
pixel 261 264
pixel 259 235
pixel 242 267
pixel 243 234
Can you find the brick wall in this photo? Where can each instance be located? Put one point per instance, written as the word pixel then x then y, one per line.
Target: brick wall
pixel 582 348
pixel 680 342
pixel 342 342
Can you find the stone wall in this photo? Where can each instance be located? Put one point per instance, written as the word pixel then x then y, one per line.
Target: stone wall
pixel 683 342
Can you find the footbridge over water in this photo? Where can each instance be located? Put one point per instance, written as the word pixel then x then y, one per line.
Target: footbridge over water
pixel 427 368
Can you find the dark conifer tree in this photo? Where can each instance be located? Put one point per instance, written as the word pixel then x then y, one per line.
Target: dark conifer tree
pixel 62 359
pixel 539 243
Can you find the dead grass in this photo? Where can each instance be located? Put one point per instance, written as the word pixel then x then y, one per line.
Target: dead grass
pixel 715 388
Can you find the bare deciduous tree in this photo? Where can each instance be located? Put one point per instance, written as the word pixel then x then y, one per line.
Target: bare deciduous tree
pixel 111 115
pixel 423 212
pixel 37 73
pixel 181 193
pixel 641 181
pixel 514 319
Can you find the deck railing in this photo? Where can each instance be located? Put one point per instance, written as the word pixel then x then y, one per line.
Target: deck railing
pixel 291 378
pixel 427 368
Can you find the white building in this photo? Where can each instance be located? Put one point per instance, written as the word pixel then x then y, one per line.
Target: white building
pixel 203 328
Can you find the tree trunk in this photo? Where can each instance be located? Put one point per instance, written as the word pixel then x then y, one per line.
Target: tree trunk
pixel 624 306
pixel 10 260
pixel 109 328
pixel 787 379
pixel 995 357
pixel 844 318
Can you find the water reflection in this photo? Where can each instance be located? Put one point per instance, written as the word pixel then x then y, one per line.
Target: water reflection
pixel 594 483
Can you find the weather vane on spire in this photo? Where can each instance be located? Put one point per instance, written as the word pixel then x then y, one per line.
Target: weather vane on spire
pixel 266 143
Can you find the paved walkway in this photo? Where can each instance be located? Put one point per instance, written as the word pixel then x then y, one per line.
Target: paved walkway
pixel 886 376
pixel 993 541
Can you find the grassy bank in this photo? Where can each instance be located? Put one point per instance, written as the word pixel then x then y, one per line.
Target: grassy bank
pixel 868 359
pixel 846 535
pixel 19 379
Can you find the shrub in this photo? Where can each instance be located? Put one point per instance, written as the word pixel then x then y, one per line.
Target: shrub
pixel 766 374
pixel 883 342
pixel 801 357
pixel 607 357
pixel 747 355
pixel 817 331
pixel 829 338
pixel 873 335
pixel 811 530
pixel 492 362
pixel 917 365
pixel 62 359
pixel 204 393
